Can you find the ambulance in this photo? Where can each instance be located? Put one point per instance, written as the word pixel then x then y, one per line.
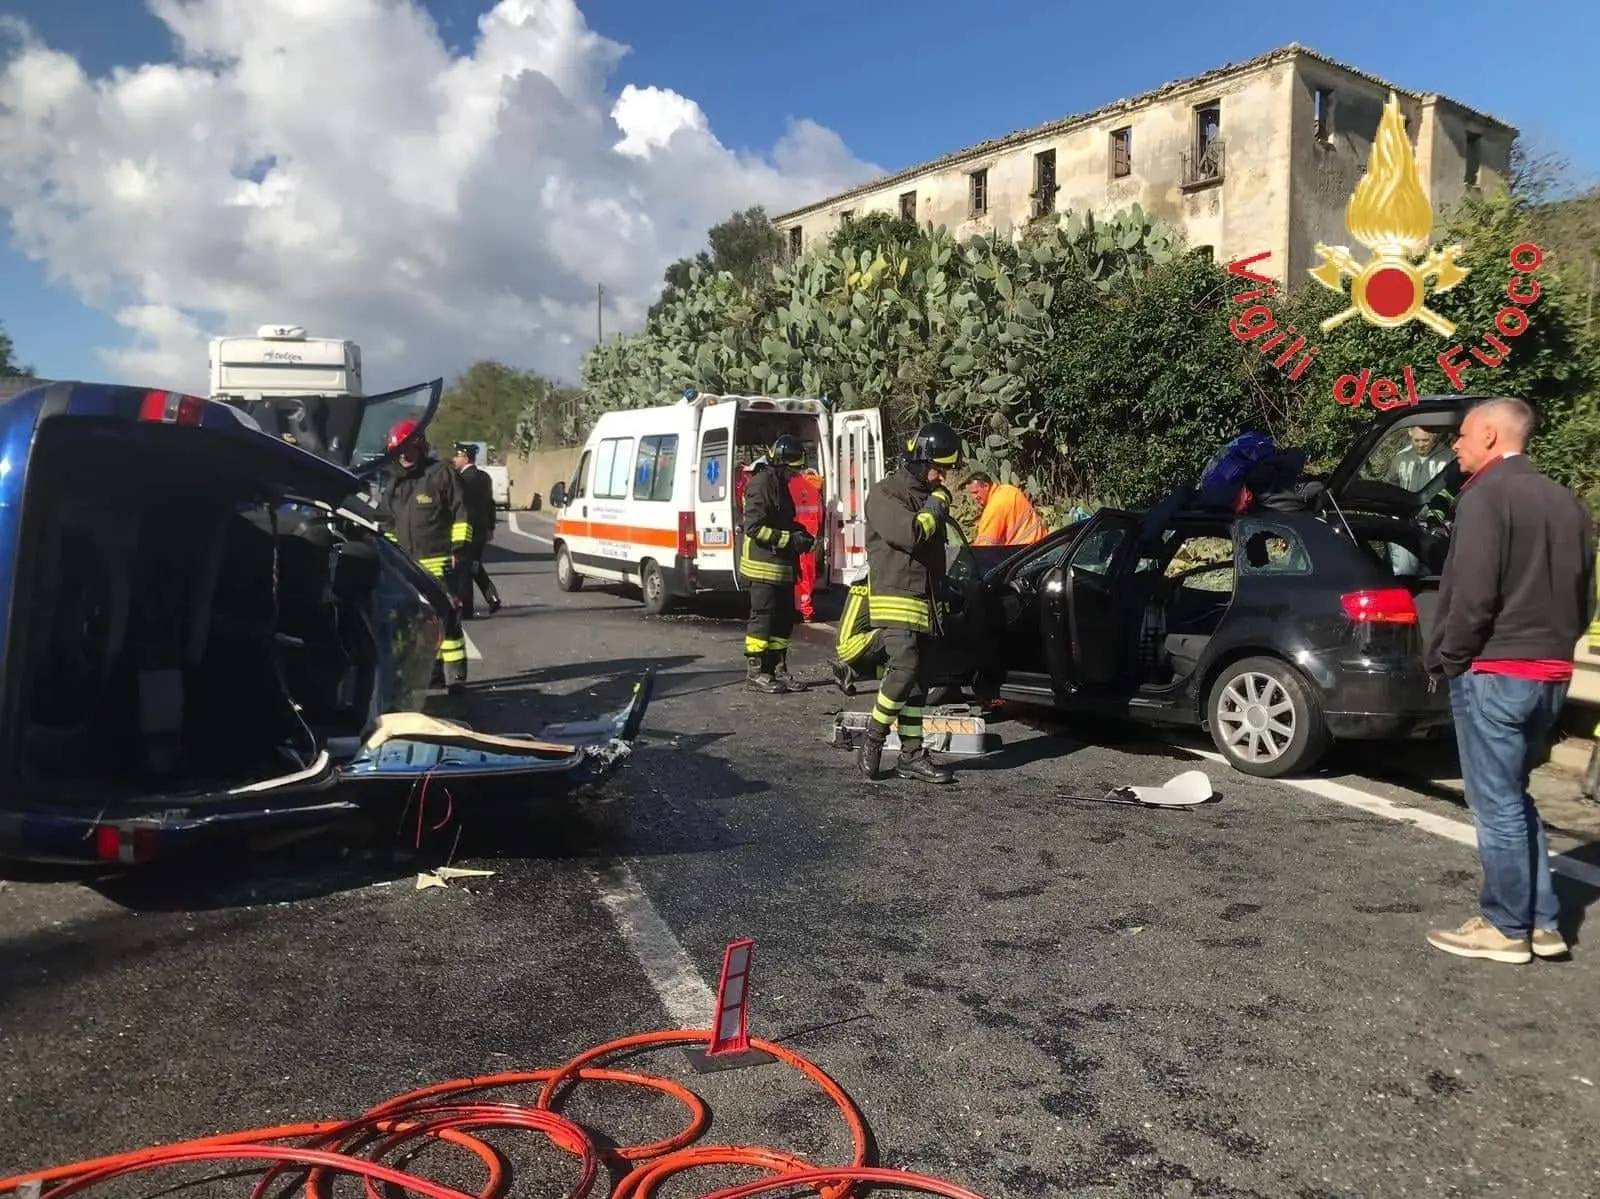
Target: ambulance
pixel 654 499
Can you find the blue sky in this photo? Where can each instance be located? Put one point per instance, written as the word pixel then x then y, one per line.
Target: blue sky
pixel 903 82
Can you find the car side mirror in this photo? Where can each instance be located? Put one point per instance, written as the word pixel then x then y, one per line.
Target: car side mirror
pixel 558 495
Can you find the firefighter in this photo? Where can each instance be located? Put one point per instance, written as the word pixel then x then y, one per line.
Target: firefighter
pixel 426 514
pixel 858 650
pixel 478 489
pixel 906 517
pixel 773 540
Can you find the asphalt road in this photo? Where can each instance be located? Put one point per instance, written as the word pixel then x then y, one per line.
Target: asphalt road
pixel 1026 995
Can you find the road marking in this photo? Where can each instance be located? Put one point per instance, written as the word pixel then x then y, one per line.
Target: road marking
pixel 472 651
pixel 1432 822
pixel 511 523
pixel 689 1001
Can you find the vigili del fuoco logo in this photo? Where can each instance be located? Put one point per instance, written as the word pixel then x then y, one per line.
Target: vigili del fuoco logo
pixel 1389 214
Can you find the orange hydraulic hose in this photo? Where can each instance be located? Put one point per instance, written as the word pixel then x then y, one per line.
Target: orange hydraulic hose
pixel 439 1111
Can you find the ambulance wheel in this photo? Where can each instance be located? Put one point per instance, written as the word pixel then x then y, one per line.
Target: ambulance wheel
pixel 654 585
pixel 567 578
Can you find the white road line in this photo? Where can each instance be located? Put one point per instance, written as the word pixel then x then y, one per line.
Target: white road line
pixel 689 1001
pixel 472 651
pixel 1440 826
pixel 511 523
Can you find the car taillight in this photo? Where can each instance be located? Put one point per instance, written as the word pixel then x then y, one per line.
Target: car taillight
pixel 112 844
pixel 1387 605
pixel 686 535
pixel 171 408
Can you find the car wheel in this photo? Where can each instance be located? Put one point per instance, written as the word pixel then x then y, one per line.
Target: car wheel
pixel 1266 719
pixel 654 586
pixel 567 578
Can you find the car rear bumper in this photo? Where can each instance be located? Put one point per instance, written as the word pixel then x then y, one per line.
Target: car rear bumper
pixel 91 838
pixel 1384 701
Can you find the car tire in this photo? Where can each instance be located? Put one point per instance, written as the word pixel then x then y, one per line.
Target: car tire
pixel 654 586
pixel 1249 707
pixel 567 576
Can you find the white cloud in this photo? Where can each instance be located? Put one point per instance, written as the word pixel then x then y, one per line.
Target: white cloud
pixel 330 163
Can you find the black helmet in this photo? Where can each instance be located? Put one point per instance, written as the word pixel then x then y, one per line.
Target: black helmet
pixel 936 444
pixel 788 450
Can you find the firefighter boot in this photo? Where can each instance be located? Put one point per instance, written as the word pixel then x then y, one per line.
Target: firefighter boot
pixel 780 671
pixel 916 765
pixel 758 678
pixel 843 677
pixel 491 593
pixel 869 758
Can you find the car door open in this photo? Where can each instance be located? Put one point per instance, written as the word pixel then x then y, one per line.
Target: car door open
pixel 1080 612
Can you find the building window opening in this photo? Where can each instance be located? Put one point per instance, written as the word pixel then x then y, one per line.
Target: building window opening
pixel 1323 104
pixel 1044 182
pixel 978 192
pixel 1121 153
pixel 908 206
pixel 796 242
pixel 1474 158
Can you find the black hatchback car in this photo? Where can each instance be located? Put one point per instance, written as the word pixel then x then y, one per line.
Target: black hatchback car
pixel 1277 630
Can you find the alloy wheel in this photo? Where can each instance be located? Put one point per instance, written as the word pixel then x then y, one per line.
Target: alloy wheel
pixel 1257 717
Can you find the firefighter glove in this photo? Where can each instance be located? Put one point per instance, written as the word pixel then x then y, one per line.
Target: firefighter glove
pixel 802 541
pixel 936 507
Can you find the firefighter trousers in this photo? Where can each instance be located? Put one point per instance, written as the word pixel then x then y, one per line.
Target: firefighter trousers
pixel 771 619
pixel 904 691
pixel 453 649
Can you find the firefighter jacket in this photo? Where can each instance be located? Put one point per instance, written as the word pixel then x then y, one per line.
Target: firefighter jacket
pixel 767 552
pixel 905 553
pixel 424 511
pixel 477 489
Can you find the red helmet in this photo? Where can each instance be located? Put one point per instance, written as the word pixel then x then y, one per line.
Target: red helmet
pixel 406 432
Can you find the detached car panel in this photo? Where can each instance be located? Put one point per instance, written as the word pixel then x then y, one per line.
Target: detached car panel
pixel 206 633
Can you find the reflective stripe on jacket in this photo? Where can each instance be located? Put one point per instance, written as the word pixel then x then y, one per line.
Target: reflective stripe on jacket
pixel 766 552
pixel 425 512
pixel 905 553
pixel 1008 519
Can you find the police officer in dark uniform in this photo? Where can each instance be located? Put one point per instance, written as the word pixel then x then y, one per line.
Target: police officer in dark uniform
pixel 478 488
pixel 906 517
pixel 424 511
pixel 768 552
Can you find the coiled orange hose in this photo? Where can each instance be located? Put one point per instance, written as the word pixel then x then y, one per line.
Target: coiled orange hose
pixel 439 1112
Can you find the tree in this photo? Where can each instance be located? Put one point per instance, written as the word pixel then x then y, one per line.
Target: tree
pixel 745 245
pixel 491 402
pixel 9 366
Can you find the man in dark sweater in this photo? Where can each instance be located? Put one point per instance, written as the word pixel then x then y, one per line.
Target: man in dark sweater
pixel 1517 593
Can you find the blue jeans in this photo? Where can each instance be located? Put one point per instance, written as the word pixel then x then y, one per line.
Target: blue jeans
pixel 1502 726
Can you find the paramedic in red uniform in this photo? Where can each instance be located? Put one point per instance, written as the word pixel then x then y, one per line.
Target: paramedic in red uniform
pixel 806 495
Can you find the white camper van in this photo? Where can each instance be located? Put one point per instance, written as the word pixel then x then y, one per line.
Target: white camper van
pixel 652 501
pixel 280 360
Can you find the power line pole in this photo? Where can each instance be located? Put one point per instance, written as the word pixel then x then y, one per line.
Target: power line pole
pixel 599 313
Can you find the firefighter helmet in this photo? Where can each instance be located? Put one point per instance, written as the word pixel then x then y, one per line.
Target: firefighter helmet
pixel 935 444
pixel 788 450
pixel 406 434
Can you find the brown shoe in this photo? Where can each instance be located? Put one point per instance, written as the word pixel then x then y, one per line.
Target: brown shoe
pixel 1547 943
pixel 1477 938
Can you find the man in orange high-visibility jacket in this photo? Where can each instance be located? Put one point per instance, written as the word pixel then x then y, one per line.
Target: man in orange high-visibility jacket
pixel 806 492
pixel 1007 517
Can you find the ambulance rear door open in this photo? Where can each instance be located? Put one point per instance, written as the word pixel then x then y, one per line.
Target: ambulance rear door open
pixel 858 463
pixel 715 475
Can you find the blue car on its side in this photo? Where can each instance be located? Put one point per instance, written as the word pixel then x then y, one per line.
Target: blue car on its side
pixel 206 634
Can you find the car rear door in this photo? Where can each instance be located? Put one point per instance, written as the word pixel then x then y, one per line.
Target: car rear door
pixel 715 475
pixel 350 431
pixel 858 463
pixel 1080 608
